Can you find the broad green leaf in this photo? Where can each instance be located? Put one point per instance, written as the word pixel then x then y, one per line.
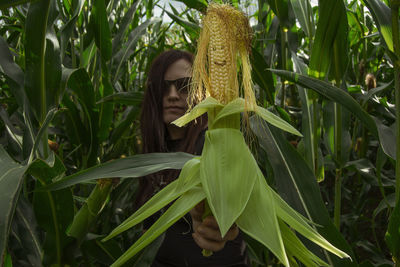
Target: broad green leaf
pixel 191 28
pixel 134 166
pixel 392 236
pixel 124 26
pixel 180 207
pixel 12 71
pixel 38 139
pixel 306 115
pixel 7 260
pixel 226 183
pixel 387 137
pixel 35 74
pixel 260 215
pixel 26 234
pixel 302 10
pixel 124 124
pixel 281 10
pixel 11 177
pixel 197 111
pixel 148 254
pixel 332 14
pixel 88 213
pixel 188 178
pixel 106 110
pixel 67 29
pixel 333 93
pixel 298 223
pixel 103 252
pixel 297 184
pixel 238 105
pixel 128 48
pixel 383 18
pixel 340 45
pixel 261 75
pixel 294 246
pixel 53 70
pixel 127 98
pixel 276 121
pixel 54 211
pixel 102 33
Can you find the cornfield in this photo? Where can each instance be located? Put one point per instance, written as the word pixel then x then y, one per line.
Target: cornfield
pixel 72 76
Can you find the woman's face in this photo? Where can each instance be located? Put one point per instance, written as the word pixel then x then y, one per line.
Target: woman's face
pixel 175 93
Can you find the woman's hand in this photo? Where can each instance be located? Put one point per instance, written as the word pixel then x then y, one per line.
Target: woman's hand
pixel 206 232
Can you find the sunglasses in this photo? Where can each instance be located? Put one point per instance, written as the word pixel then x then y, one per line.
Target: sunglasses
pixel 182 85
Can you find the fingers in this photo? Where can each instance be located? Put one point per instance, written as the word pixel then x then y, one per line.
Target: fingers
pixel 208 244
pixel 197 212
pixel 208 236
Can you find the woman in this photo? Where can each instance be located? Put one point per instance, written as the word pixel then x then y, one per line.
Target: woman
pixel 165 101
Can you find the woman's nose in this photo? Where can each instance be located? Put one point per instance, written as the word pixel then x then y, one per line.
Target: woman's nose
pixel 173 92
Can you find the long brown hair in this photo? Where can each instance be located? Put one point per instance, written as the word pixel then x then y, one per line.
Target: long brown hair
pixel 152 127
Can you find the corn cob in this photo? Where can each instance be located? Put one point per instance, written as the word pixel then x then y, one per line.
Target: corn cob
pixel 226 174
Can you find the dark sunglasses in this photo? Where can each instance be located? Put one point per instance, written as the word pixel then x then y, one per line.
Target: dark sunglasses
pixel 182 85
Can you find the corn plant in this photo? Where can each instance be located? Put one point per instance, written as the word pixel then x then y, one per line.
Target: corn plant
pixel 234 194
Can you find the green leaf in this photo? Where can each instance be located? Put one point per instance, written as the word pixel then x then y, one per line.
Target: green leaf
pixel 106 111
pixel 11 177
pixel 191 28
pixel 333 93
pixel 281 10
pixel 7 260
pixel 260 215
pixel 128 48
pixel 124 124
pixel 294 246
pixel 298 223
pixel 387 138
pixel 188 179
pixel 26 231
pixel 54 211
pixel 197 111
pixel 102 33
pixel 332 19
pixel 261 75
pixel 12 72
pixel 49 117
pixel 392 236
pixel 238 105
pixel 306 115
pixel 124 26
pixel 53 70
pixel 134 166
pixel 102 252
pixel 67 29
pixel 302 10
pixel 35 45
pixel 383 18
pixel 180 207
pixel 297 184
pixel 226 183
pixel 88 213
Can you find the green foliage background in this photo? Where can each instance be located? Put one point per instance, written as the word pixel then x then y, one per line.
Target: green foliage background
pixel 72 75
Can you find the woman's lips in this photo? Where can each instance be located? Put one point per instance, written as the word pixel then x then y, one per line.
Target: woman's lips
pixel 174 109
